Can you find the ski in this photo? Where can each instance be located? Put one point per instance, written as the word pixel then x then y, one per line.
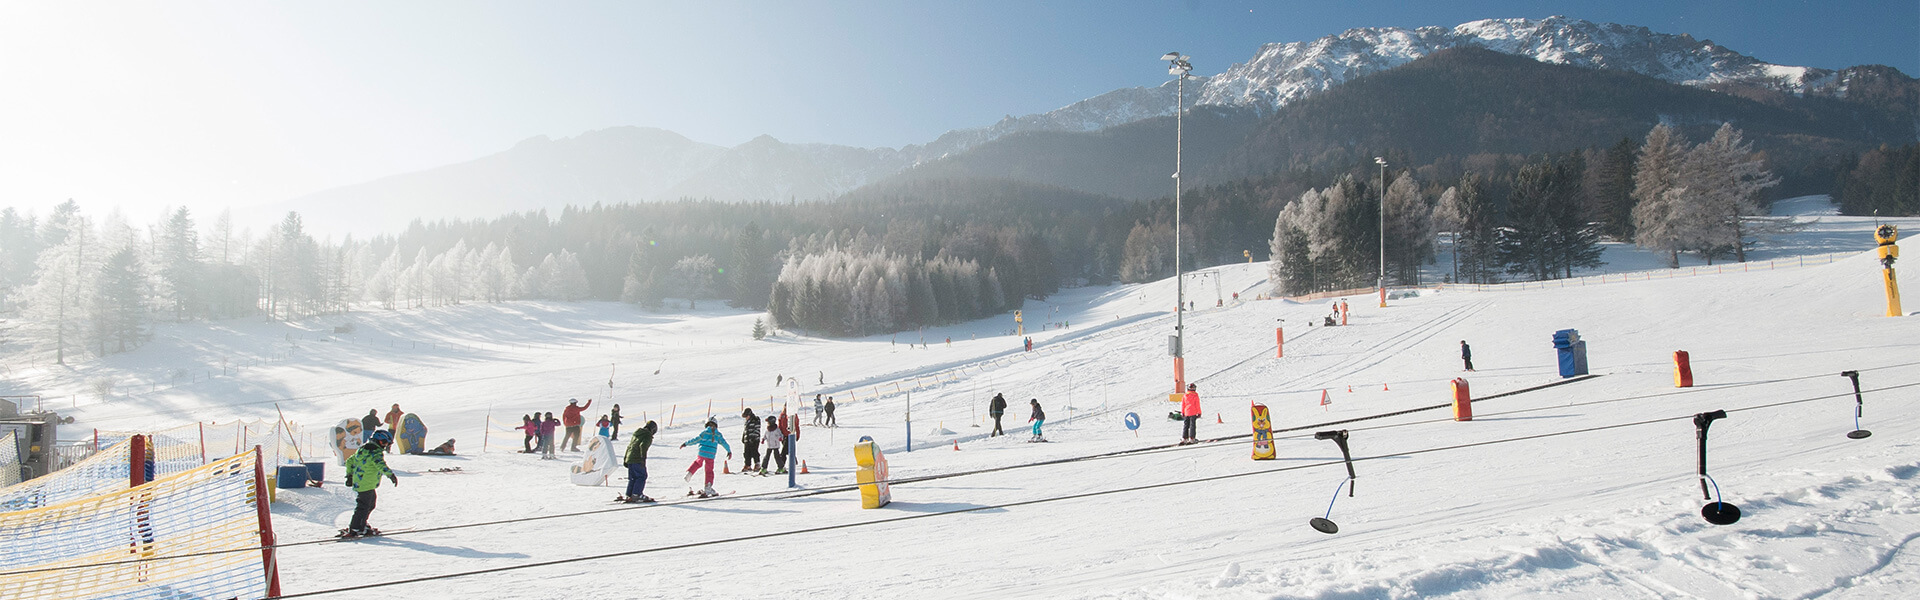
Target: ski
pixel 345 535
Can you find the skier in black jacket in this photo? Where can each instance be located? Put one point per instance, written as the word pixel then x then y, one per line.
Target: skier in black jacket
pixel 996 409
pixel 750 437
pixel 369 424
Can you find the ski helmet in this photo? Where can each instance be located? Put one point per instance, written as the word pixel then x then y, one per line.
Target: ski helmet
pixel 383 437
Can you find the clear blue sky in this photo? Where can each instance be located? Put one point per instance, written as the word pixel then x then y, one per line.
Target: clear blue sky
pixel 230 103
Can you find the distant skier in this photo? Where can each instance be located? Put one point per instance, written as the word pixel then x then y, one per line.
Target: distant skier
pixel 1190 414
pixel 996 409
pixel 616 423
pixel 604 426
pixel 571 418
pixel 532 430
pixel 364 470
pixel 547 427
pixel 1039 417
pixel 823 378
pixel 775 456
pixel 750 441
pixel 709 439
pixel 637 464
pixel 369 424
pixel 830 421
pixel 1466 354
pixel 819 411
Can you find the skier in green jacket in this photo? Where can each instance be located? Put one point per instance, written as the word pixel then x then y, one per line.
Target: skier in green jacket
pixel 637 463
pixel 364 470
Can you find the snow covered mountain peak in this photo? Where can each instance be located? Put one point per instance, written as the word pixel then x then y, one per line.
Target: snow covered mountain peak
pixel 1284 72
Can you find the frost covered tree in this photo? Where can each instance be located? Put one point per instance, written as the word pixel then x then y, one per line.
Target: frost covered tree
pixel 569 280
pixel 55 306
pixel 693 278
pixel 1728 177
pixel 1410 233
pixel 1658 223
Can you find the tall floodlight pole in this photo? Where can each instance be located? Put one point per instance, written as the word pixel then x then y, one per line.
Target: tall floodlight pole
pixel 1383 230
pixel 1178 66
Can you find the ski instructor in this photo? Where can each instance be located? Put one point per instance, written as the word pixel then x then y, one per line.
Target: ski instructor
pixel 571 418
pixel 996 409
pixel 364 470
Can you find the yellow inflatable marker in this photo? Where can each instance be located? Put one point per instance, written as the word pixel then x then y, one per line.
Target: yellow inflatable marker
pixel 872 474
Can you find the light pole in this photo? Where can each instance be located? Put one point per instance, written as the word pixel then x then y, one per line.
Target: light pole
pixel 1178 66
pixel 1383 230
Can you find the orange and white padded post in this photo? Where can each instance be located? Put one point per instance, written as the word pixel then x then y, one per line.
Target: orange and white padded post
pixel 1682 369
pixel 1462 400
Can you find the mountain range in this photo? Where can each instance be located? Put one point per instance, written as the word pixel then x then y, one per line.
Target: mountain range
pixel 1077 146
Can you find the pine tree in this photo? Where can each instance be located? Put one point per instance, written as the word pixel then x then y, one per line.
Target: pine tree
pixel 759 329
pixel 55 307
pixel 1729 177
pixel 180 265
pixel 1410 232
pixel 752 268
pixel 117 311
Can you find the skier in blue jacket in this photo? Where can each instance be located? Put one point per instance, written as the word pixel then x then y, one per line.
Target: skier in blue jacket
pixel 708 439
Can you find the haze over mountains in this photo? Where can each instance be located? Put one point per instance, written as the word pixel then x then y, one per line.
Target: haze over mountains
pixel 1113 143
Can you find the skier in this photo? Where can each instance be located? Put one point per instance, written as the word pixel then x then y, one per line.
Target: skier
pixel 1039 417
pixel 995 409
pixel 819 412
pixel 369 424
pixel 1466 354
pixel 708 440
pixel 546 437
pixel 603 424
pixel 616 423
pixel 750 440
pixel 393 418
pixel 364 470
pixel 571 418
pixel 637 464
pixel 830 421
pixel 775 457
pixel 1190 413
pixel 532 430
pixel 442 450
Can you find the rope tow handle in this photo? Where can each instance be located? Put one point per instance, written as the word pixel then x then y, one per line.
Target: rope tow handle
pixel 1717 512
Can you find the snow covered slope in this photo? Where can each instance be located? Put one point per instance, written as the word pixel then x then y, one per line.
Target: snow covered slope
pixel 1582 490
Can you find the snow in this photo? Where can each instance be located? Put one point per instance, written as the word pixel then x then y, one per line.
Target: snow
pixel 1583 490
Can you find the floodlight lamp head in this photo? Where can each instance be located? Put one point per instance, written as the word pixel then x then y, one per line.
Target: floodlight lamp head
pixel 1380 161
pixel 1170 56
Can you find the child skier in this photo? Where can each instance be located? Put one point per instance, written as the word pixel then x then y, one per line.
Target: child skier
pixel 1190 413
pixel 775 443
pixel 750 438
pixel 532 429
pixel 708 440
pixel 547 428
pixel 1039 417
pixel 637 464
pixel 604 424
pixel 364 470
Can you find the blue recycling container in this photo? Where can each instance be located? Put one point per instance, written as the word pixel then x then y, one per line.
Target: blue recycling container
pixel 1572 352
pixel 316 471
pixel 291 476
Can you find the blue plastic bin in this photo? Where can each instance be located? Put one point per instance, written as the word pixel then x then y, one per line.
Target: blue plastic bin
pixel 1572 352
pixel 316 472
pixel 291 476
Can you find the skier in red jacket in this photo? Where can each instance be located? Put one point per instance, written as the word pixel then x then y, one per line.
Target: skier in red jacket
pixel 571 418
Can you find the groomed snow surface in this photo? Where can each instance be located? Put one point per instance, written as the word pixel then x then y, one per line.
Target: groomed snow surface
pixel 1584 490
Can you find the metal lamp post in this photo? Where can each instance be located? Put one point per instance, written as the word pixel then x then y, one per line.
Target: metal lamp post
pixel 1178 66
pixel 1383 229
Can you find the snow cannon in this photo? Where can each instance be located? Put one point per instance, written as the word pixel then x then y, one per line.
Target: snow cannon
pixel 1886 235
pixel 872 474
pixel 1718 512
pixel 1858 404
pixel 1682 369
pixel 1325 524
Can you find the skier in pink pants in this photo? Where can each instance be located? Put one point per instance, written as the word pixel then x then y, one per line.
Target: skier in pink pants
pixel 709 440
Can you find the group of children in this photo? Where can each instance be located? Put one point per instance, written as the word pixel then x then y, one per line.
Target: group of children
pixel 540 427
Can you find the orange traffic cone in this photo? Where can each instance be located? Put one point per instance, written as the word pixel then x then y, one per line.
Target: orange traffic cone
pixel 1383 388
pixel 1217 419
pixel 956 445
pixel 726 468
pixel 803 467
pixel 1349 388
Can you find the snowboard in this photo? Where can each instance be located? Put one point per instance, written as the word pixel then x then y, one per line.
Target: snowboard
pixel 345 536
